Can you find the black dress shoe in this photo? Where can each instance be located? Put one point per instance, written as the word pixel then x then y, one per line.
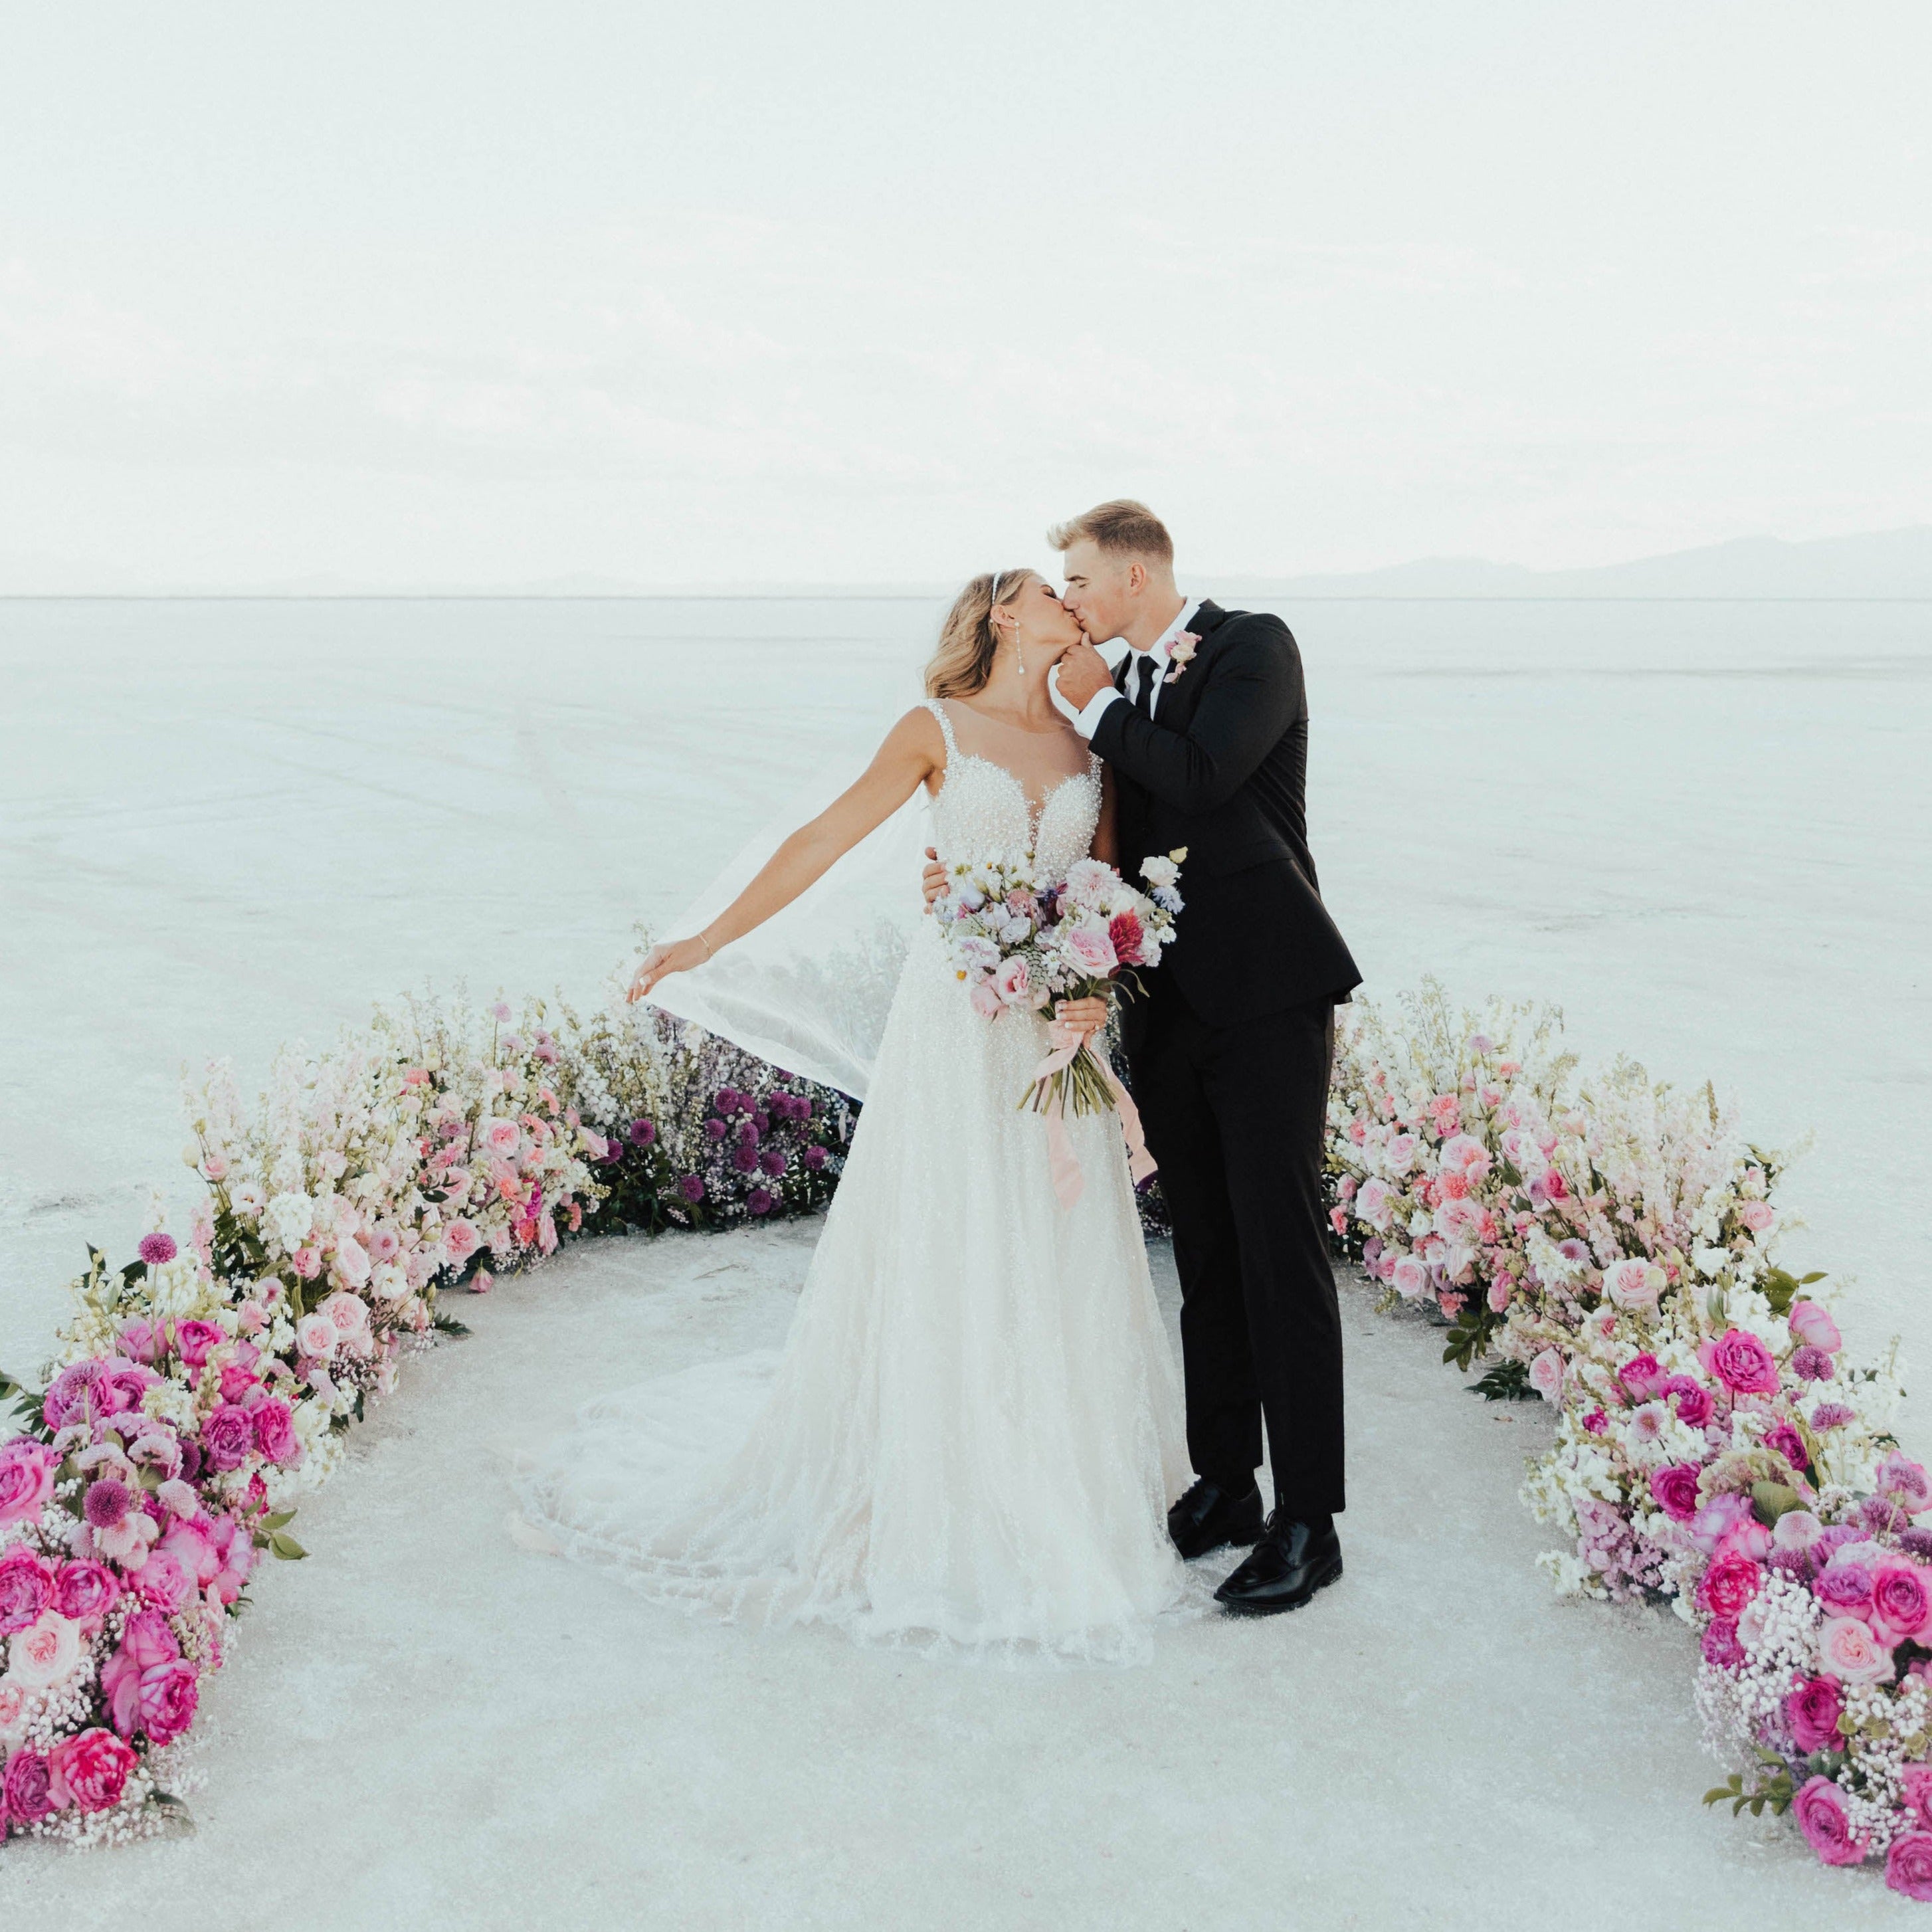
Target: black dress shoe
pixel 1291 1562
pixel 1208 1517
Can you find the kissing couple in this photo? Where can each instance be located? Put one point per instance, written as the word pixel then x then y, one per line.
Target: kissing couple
pixel 973 1439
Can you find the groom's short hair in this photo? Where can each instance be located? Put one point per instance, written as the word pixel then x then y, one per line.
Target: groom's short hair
pixel 1122 528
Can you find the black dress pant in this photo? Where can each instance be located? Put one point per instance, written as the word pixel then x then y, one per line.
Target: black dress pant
pixel 1236 1116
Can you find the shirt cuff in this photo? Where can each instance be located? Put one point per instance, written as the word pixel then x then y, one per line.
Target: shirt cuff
pixel 1086 716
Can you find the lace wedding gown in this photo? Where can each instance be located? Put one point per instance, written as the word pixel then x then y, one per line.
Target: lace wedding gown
pixel 974 1431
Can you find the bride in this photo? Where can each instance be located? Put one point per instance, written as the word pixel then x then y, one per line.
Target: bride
pixel 974 1431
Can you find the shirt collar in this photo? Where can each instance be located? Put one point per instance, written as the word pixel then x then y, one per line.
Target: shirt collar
pixel 1162 646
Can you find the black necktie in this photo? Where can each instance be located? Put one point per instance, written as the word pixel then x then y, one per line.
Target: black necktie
pixel 1145 669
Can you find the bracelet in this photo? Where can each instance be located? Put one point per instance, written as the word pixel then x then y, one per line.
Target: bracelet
pixel 710 951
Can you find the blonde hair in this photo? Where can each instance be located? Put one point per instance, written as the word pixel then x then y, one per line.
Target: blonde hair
pixel 963 659
pixel 1122 528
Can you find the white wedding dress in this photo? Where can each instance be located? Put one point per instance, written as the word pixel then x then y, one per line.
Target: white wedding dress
pixel 974 1431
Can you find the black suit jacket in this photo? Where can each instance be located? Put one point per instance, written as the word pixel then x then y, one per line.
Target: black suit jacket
pixel 1220 769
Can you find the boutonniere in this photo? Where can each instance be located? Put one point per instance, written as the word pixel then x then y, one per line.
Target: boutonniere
pixel 1181 655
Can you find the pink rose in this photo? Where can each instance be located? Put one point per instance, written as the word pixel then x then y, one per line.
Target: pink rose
pixel 1741 1362
pixel 1546 1375
pixel 236 1548
pixel 90 1771
pixel 460 1241
pixel 26 1790
pixel 1090 951
pixel 1411 1278
pixel 274 1427
pixel 1013 983
pixel 1901 1605
pixel 502 1138
pixel 1756 1215
pixel 85 1591
pixel 1917 1781
pixel 1728 1586
pixel 227 1437
pixel 169 1695
pixel 1633 1285
pixel 195 1341
pixel 1717 1518
pixel 1814 1327
pixel 1400 1154
pixel 1691 1400
pixel 1643 1376
pixel 1908 1865
pixel 148 1644
pixel 1819 1809
pixel 26 1587
pixel 351 1258
pixel 26 1479
pixel 349 1314
pixel 1812 1710
pixel 315 1337
pixel 1675 1488
pixel 984 1000
pixel 1848 1650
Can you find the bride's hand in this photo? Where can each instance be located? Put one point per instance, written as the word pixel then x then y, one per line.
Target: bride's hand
pixel 680 955
pixel 1086 1017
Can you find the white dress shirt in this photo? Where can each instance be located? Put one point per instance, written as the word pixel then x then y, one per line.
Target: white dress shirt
pixel 1152 662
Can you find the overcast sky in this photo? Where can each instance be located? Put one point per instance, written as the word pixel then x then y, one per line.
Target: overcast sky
pixel 396 295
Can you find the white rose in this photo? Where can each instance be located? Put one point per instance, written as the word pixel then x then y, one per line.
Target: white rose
pixel 46 1652
pixel 317 1335
pixel 390 1281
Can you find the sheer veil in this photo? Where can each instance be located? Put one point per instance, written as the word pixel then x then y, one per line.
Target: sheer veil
pixel 808 990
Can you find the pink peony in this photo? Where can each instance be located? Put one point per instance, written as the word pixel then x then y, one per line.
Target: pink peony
pixel 274 1427
pixel 1013 983
pixel 1675 1488
pixel 1741 1362
pixel 85 1591
pixel 1819 1809
pixel 1811 1324
pixel 90 1771
pixel 227 1437
pixel 26 1587
pixel 168 1697
pixel 1717 1518
pixel 26 1479
pixel 163 1580
pixel 1728 1586
pixel 1908 1865
pixel 1917 1782
pixel 1811 1710
pixel 1848 1650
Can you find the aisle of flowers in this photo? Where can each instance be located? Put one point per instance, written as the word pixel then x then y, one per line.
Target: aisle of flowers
pixel 1606 1244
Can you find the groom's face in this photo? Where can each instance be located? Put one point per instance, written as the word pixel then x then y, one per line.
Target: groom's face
pixel 1099 591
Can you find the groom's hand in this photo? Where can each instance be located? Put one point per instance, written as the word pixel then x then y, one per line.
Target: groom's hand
pixel 1082 674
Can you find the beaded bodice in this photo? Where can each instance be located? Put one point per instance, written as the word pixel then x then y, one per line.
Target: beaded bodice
pixel 983 811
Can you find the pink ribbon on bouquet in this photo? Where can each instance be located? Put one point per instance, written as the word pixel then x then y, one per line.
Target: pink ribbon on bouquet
pixel 1068 1181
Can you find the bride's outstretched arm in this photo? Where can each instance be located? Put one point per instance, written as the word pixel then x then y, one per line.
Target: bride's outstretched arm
pixel 913 749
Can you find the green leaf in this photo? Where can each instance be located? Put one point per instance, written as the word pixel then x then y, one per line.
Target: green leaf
pixel 1806 1280
pixel 1770 1501
pixel 286 1547
pixel 448 1325
pixel 278 1519
pixel 1505 1381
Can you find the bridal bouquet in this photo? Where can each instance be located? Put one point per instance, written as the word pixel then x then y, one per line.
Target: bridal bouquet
pixel 1016 944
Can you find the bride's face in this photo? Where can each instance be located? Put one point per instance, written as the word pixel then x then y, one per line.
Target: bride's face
pixel 1043 623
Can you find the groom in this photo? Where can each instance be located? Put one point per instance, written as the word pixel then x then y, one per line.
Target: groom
pixel 1205 726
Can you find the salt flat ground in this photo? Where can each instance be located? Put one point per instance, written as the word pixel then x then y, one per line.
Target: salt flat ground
pixel 1701 828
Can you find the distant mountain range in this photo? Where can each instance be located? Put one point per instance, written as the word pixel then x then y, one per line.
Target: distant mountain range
pixel 1879 563
pixel 1887 564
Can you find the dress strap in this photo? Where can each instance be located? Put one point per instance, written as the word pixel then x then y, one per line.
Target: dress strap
pixel 936 706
